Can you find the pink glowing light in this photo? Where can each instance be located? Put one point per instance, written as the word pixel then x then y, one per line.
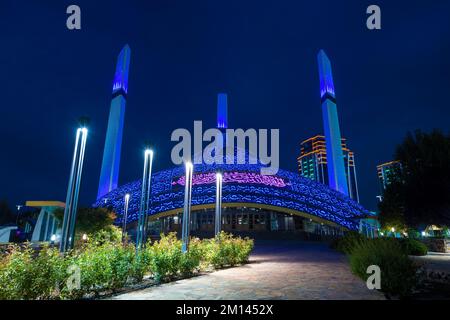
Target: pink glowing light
pixel 234 177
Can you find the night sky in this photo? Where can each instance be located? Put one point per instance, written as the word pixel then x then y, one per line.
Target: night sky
pixel 262 53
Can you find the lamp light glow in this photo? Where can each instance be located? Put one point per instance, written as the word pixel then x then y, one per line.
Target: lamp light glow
pixel 145 200
pixel 218 216
pixel 185 229
pixel 73 190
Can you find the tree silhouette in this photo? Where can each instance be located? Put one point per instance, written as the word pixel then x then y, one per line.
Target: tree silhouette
pixel 420 195
pixel 6 214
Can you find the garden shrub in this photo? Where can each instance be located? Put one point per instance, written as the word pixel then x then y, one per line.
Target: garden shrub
pixel 398 273
pixel 226 250
pixel 141 264
pixel 167 261
pixel 191 260
pixel 165 256
pixel 348 242
pixel 413 247
pixel 105 264
pixel 102 267
pixel 25 274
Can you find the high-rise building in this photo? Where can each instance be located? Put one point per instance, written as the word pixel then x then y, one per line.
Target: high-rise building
pixel 109 175
pixel 337 179
pixel 386 172
pixel 313 164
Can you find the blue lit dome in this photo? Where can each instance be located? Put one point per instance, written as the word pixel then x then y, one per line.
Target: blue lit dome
pixel 243 186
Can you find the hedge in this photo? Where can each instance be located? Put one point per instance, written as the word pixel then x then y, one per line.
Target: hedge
pixel 107 266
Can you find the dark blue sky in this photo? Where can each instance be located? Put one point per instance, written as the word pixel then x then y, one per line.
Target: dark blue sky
pixel 262 53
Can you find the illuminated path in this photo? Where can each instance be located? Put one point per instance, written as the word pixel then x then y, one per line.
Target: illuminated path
pixel 277 270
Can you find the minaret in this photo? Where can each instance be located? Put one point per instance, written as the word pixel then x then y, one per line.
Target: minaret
pixel 335 160
pixel 109 175
pixel 222 111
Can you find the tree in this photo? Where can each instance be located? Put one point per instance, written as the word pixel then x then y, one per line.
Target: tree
pixel 6 214
pixel 392 208
pixel 94 222
pixel 421 194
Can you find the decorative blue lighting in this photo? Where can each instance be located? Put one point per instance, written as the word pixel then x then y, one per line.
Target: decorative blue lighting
pixel 300 194
pixel 337 178
pixel 222 111
pixel 109 175
pixel 121 75
pixel 325 74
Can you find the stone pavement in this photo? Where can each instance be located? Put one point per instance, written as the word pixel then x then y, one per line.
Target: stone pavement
pixel 436 266
pixel 277 270
pixel 435 261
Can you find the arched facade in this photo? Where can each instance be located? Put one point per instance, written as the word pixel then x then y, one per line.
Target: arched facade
pixel 243 185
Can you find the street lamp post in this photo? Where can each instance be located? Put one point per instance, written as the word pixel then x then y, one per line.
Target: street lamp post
pixel 19 206
pixel 187 207
pixel 73 190
pixel 145 199
pixel 125 216
pixel 218 218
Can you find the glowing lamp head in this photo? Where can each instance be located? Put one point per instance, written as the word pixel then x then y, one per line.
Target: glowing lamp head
pixel 127 197
pixel 393 229
pixel 218 176
pixel 149 152
pixel 84 237
pixel 53 238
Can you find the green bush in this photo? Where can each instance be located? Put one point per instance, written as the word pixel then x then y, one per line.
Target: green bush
pixel 25 274
pixel 398 273
pixel 348 242
pixel 105 264
pixel 191 260
pixel 165 256
pixel 413 247
pixel 102 267
pixel 167 261
pixel 226 250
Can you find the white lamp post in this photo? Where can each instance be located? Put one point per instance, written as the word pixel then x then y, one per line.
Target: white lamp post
pixel 218 218
pixel 70 211
pixel 187 207
pixel 125 216
pixel 145 199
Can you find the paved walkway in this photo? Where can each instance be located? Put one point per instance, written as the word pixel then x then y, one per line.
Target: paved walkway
pixel 277 270
pixel 435 261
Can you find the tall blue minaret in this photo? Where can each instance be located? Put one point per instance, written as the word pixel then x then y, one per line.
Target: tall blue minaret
pixel 222 111
pixel 335 160
pixel 109 175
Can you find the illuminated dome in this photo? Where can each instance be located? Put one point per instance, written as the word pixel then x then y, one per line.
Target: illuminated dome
pixel 243 186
